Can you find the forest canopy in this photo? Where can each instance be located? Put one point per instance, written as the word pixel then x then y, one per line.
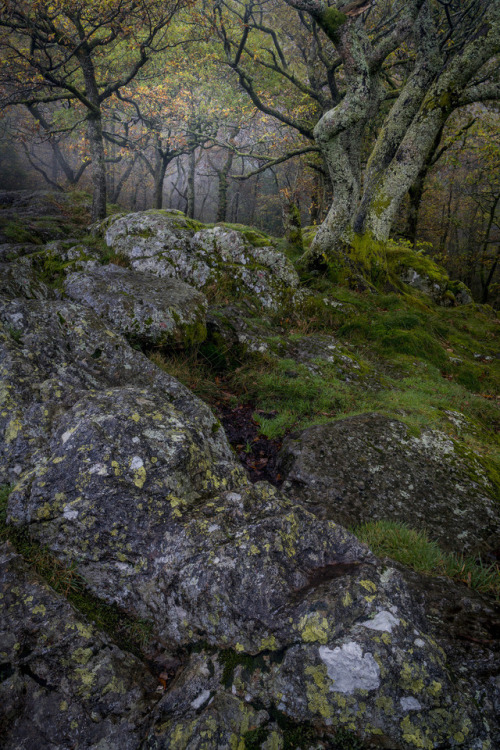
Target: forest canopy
pixel 371 118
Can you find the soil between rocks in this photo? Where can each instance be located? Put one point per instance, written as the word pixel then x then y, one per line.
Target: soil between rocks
pixel 256 452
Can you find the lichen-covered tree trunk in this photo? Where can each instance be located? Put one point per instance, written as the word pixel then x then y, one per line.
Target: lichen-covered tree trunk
pixel 442 78
pixel 420 136
pixel 339 136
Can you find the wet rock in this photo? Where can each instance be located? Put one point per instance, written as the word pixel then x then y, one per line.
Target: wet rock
pixel 467 626
pixel 168 244
pixel 51 354
pixel 333 635
pixel 18 279
pixel 141 307
pixel 370 467
pixel 63 684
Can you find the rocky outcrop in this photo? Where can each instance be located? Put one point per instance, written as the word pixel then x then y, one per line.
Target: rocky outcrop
pixel 140 306
pixel 63 683
pixel 52 353
pixel 371 467
pixel 286 631
pixel 168 244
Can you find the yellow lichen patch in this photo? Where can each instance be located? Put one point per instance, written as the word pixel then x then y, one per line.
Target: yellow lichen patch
pixel 413 735
pixel 81 655
pixel 135 417
pixel 317 691
pixel 63 706
pixel 347 599
pixel 86 677
pixel 12 430
pixel 412 678
pixel 115 686
pixel 140 477
pixel 435 688
pixel 39 609
pixel 254 550
pixel 238 647
pixel 368 585
pixel 84 630
pixel 268 643
pixel 44 512
pixel 385 703
pixel 314 628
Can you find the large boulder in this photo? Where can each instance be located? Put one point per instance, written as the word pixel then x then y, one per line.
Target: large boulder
pixel 62 683
pixel 168 244
pixel 295 616
pixel 370 467
pixel 140 306
pixel 51 354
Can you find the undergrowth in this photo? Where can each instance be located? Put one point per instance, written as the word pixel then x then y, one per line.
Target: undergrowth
pixel 415 550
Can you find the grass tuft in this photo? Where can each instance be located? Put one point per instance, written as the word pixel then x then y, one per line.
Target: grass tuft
pixel 415 550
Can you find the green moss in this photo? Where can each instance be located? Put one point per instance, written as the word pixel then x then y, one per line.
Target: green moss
pixel 16 232
pixel 15 334
pixel 254 236
pixel 331 21
pixel 255 737
pixel 230 659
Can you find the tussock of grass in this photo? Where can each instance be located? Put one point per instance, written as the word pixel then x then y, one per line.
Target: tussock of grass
pixel 299 397
pixel 415 550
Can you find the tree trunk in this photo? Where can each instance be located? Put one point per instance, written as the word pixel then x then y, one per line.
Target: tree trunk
pixel 191 184
pixel 223 187
pixel 408 135
pixel 159 179
pixel 98 167
pixel 94 134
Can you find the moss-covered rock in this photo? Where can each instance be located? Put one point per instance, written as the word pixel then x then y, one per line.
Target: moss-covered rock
pixel 372 467
pixel 168 244
pixel 141 307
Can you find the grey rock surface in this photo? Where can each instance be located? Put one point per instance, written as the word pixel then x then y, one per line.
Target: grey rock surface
pixel 61 350
pixel 140 306
pixel 18 279
pixel 63 684
pixel 168 244
pixel 370 467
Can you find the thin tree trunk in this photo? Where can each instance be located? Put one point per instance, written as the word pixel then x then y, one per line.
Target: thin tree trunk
pixel 159 179
pixel 223 187
pixel 191 197
pixel 94 134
